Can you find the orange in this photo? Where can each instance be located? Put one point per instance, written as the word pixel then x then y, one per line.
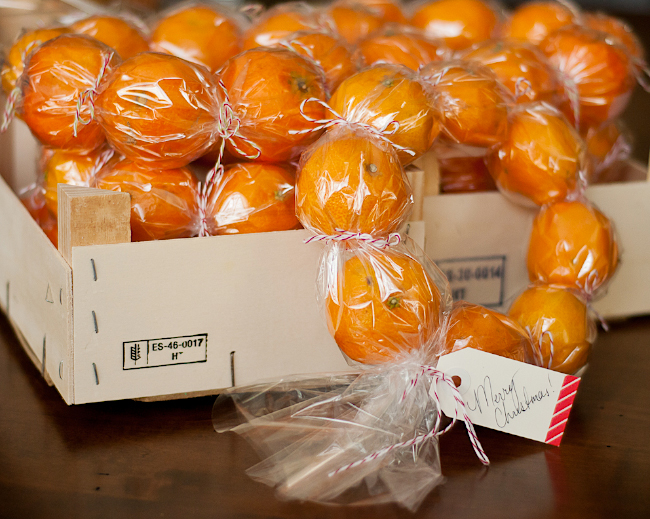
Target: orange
pixel 572 244
pixel 542 156
pixel 57 74
pixel 198 33
pixel 34 201
pixel 473 103
pixel 383 93
pixel 159 109
pixel 381 305
pixel 388 10
pixel 115 32
pixel 253 197
pixel 533 21
pixel 617 29
pixel 602 72
pixel 460 23
pixel 608 146
pixel 559 325
pixel 466 174
pixel 401 45
pixel 353 181
pixel 474 326
pixel 281 20
pixel 27 42
pixel 328 50
pixel 163 201
pixel 68 167
pixel 353 21
pixel 521 68
pixel 266 88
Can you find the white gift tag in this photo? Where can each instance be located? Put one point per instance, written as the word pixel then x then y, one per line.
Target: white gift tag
pixel 509 396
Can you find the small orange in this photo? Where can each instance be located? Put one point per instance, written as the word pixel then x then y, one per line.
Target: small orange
pixel 559 325
pixel 390 11
pixel 460 23
pixel 464 174
pixel 473 103
pixel 115 32
pixel 159 109
pixel 401 45
pixel 163 201
pixel 354 21
pixel 521 68
pixel 33 199
pixel 281 20
pixel 617 29
pixel 474 326
pixel 202 34
pixel 384 93
pixel 69 167
pixel 381 304
pixel 14 63
pixel 533 21
pixel 573 245
pixel 253 197
pixel 602 72
pixel 266 88
pixel 542 157
pixel 353 181
pixel 57 74
pixel 608 146
pixel 328 50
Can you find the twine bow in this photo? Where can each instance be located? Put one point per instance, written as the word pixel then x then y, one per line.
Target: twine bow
pixel 341 235
pixel 437 376
pixel 227 128
pixel 89 96
pixel 382 132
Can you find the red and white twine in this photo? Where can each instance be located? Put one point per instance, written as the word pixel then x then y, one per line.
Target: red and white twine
pixel 10 109
pixel 341 235
pixel 437 376
pixel 89 96
pixel 383 132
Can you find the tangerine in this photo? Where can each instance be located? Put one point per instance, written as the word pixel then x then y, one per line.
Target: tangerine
pixel 277 23
pixel 460 23
pixel 608 147
pixel 159 109
pixel 390 11
pixel 266 88
pixel 328 50
pixel 198 33
pixel 473 103
pixel 573 245
pixel 115 32
pixel 163 201
pixel 474 326
pixel 253 197
pixel 381 305
pixel 542 156
pixel 33 199
pixel 617 29
pixel 384 93
pixel 559 324
pixel 521 68
pixel 68 167
pixel 464 174
pixel 351 180
pixel 401 45
pixel 599 73
pixel 354 21
pixel 14 63
pixel 57 75
pixel 533 21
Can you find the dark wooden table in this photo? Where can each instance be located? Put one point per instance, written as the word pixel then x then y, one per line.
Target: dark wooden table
pixel 163 459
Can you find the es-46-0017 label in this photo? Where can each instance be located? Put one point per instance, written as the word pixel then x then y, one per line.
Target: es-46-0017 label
pixel 168 351
pixel 478 280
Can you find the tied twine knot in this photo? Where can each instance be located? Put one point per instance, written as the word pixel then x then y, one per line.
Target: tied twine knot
pixel 380 243
pixel 227 129
pixel 383 132
pixel 88 96
pixel 437 377
pixel 522 88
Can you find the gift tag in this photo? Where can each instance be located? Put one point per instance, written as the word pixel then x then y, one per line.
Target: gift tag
pixel 509 396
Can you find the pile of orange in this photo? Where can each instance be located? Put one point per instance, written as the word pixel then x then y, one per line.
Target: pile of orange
pixel 308 115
